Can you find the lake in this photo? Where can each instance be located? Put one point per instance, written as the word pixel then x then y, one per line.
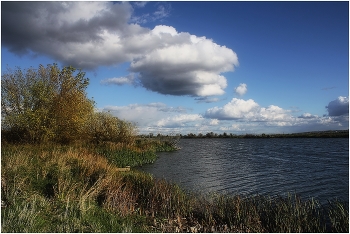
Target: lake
pixel 310 167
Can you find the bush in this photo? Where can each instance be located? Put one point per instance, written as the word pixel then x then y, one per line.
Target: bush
pixel 104 127
pixel 44 104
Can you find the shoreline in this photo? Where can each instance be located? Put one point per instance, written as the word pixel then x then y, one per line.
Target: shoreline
pixel 62 189
pixel 313 134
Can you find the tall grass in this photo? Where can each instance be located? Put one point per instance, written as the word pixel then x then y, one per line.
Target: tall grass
pixel 123 155
pixel 142 151
pixel 74 189
pixel 56 191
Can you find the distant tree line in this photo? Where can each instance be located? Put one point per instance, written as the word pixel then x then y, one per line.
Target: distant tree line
pixel 50 104
pixel 315 134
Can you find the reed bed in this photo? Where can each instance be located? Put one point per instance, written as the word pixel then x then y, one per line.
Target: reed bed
pixel 135 154
pixel 76 189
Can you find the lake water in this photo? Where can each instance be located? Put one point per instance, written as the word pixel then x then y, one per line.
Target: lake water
pixel 310 167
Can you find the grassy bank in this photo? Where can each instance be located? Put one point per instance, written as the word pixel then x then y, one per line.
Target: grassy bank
pixel 79 189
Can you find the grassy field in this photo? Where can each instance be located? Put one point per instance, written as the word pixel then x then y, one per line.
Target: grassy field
pixel 80 189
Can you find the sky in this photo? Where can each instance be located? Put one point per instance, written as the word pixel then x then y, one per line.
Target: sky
pixel 195 67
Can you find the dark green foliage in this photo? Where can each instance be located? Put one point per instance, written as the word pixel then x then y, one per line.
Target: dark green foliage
pixel 126 156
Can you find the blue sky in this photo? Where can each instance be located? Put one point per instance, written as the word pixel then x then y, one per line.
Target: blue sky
pixel 180 67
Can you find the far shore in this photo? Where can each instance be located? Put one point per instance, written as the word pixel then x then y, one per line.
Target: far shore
pixel 312 134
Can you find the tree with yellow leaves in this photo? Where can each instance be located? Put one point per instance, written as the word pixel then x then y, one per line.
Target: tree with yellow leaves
pixel 51 104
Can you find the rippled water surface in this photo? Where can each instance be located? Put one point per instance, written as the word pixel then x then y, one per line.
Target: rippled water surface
pixel 311 167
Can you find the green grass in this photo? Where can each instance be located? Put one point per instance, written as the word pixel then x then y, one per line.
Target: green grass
pixel 79 189
pixel 122 155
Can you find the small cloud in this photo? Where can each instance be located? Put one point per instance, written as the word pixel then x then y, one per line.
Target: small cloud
pixel 241 89
pixel 206 99
pixel 307 116
pixel 235 109
pixel 164 108
pixel 214 122
pixel 338 107
pixel 294 109
pixel 163 11
pixel 140 4
pixel 179 120
pixel 130 79
pixel 328 88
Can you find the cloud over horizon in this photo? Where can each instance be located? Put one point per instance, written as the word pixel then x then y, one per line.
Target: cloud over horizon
pixel 237 116
pixel 91 34
pixel 247 114
pixel 249 110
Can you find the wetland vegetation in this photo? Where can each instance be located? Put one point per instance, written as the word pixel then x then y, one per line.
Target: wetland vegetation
pixel 60 172
pixel 75 189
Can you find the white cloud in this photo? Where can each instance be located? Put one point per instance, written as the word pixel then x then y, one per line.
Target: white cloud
pixel 181 120
pixel 91 34
pixel 338 107
pixel 214 122
pixel 163 11
pixel 249 110
pixel 140 4
pixel 238 117
pixel 130 79
pixel 275 114
pixel 241 89
pixel 184 64
pixel 308 116
pixel 248 116
pixel 235 109
pixel 153 116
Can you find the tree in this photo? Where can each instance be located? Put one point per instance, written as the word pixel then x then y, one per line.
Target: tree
pixel 104 127
pixel 71 107
pixel 47 104
pixel 51 104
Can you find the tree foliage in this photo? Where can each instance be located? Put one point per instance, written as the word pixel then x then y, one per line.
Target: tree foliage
pixel 51 104
pixel 105 127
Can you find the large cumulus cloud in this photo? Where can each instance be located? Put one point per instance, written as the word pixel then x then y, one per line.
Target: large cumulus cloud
pixel 82 34
pixel 92 34
pixel 185 65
